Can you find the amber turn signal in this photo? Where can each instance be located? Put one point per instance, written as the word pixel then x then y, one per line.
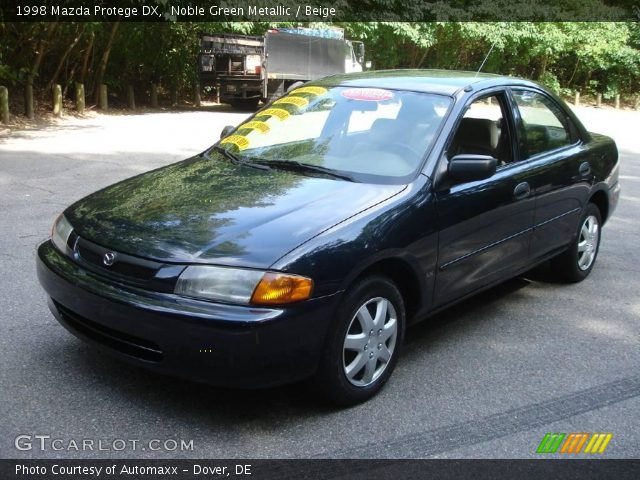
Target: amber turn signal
pixel 279 288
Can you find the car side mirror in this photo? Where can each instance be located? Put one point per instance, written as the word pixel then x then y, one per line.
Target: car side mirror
pixel 226 131
pixel 468 167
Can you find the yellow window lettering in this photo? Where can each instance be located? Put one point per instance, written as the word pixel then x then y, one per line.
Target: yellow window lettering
pixel 311 90
pixel 239 141
pixel 297 101
pixel 256 125
pixel 275 112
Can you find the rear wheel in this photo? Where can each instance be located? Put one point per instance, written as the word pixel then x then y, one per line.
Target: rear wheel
pixel 575 264
pixel 365 342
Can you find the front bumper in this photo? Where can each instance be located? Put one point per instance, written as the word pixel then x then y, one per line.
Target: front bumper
pixel 239 346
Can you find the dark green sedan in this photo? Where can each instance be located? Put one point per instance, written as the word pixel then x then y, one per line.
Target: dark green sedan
pixel 304 242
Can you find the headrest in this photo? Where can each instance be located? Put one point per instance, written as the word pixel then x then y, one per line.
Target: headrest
pixel 478 132
pixel 382 127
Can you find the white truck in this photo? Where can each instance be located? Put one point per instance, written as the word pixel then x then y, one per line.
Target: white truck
pixel 247 69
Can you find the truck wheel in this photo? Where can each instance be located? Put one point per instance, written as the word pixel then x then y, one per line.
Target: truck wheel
pixel 364 342
pixel 245 104
pixel 294 85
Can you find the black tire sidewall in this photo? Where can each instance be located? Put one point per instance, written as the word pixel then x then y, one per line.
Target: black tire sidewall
pixel 574 272
pixel 331 376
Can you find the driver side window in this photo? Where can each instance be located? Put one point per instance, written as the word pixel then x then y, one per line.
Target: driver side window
pixel 483 131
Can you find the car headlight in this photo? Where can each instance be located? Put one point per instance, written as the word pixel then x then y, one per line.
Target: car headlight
pixel 60 233
pixel 238 285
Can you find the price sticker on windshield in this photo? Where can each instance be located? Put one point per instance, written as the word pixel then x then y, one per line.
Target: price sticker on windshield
pixel 367 94
pixel 256 125
pixel 310 90
pixel 239 141
pixel 275 112
pixel 297 101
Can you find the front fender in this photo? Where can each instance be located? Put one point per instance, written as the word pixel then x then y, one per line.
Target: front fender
pixel 400 228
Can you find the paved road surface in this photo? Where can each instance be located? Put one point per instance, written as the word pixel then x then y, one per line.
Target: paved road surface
pixel 487 378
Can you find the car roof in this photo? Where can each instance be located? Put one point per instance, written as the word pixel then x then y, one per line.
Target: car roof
pixel 447 82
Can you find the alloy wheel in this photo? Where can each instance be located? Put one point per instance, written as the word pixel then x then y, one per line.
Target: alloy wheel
pixel 588 242
pixel 370 341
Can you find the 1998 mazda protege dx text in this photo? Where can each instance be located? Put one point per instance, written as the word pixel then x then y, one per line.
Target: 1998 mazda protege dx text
pixel 303 243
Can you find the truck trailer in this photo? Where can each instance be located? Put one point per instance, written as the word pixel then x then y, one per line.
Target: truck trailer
pixel 247 69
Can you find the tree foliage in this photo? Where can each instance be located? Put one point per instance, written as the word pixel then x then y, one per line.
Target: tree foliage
pixel 589 57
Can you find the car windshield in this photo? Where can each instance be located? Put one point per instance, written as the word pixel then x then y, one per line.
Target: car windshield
pixel 360 133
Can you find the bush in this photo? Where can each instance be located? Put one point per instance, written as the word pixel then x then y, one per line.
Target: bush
pixel 550 81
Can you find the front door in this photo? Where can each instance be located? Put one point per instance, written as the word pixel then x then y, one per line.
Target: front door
pixel 485 226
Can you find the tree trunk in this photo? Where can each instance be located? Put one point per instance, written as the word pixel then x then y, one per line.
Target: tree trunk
pixel 543 68
pixel 69 80
pixel 575 69
pixel 28 102
pixel 154 95
pixel 197 100
pixel 87 55
pixel 103 99
pixel 131 97
pixel 40 49
pixel 104 61
pixel 66 53
pixel 424 55
pixel 174 96
pixel 33 71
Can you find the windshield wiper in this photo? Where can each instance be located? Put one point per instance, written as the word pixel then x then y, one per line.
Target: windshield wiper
pixel 306 167
pixel 236 159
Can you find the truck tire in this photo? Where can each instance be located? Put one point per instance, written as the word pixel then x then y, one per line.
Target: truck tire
pixel 245 104
pixel 275 89
pixel 294 85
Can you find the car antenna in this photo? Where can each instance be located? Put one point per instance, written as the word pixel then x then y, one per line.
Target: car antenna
pixel 485 58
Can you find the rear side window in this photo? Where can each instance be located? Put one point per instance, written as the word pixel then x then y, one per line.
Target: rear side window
pixel 544 127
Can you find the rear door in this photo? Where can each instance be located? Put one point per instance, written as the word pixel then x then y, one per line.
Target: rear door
pixel 560 168
pixel 484 225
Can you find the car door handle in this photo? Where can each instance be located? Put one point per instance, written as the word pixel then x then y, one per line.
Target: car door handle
pixel 585 168
pixel 522 190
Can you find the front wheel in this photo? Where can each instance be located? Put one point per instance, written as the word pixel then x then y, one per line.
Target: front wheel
pixel 575 264
pixel 364 344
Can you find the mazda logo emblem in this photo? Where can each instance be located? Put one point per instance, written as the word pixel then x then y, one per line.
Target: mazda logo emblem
pixel 109 258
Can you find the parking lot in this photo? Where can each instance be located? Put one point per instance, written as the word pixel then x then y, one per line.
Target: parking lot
pixel 485 379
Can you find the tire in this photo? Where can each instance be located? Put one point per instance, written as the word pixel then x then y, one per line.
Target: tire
pixel 294 85
pixel 576 263
pixel 374 354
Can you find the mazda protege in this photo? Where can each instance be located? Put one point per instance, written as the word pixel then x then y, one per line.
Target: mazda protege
pixel 302 244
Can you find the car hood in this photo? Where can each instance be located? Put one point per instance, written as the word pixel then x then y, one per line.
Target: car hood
pixel 210 210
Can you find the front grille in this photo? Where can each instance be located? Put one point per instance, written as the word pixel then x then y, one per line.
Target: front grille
pixel 126 265
pixel 120 341
pixel 140 272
